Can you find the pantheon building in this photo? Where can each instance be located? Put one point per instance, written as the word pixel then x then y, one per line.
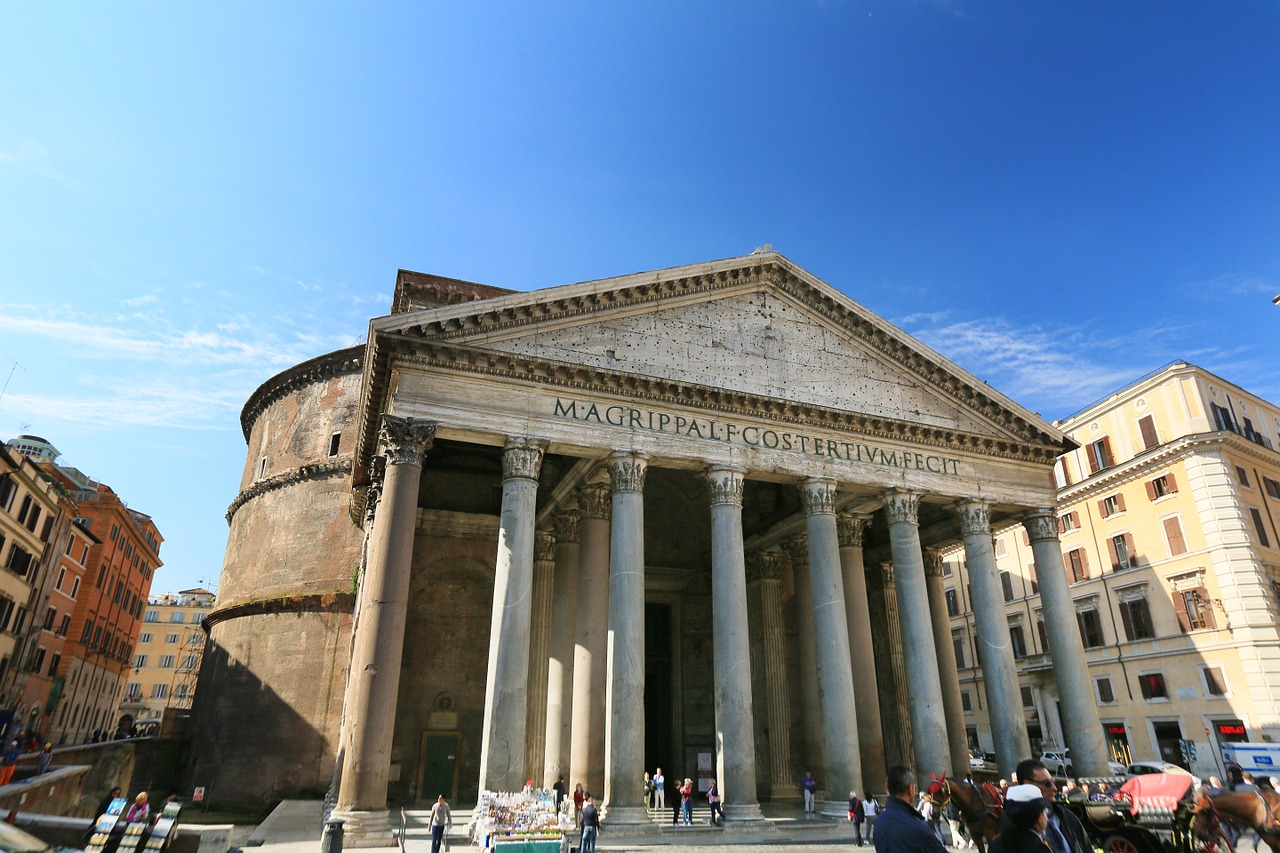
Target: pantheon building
pixel 688 518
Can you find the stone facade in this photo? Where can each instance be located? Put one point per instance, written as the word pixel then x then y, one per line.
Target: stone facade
pixel 711 428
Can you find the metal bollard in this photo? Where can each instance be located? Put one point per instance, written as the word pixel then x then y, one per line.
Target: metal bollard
pixel 331 841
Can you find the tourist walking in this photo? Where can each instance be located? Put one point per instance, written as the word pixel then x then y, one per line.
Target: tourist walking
pixel 930 815
pixel 856 816
pixel 590 826
pixel 676 805
pixel 1064 832
pixel 579 798
pixel 9 762
pixel 659 790
pixel 45 759
pixel 714 801
pixel 900 828
pixel 810 787
pixel 686 802
pixel 558 787
pixel 870 810
pixel 647 790
pixel 1026 820
pixel 441 822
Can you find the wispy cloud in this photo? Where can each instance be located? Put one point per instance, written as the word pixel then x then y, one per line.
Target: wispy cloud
pixel 147 299
pixel 33 159
pixel 1231 284
pixel 188 406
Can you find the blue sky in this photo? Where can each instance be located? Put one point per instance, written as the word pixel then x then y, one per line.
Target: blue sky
pixel 1059 196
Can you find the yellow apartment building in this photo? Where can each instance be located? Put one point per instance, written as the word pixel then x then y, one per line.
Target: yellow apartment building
pixel 1169 513
pixel 167 656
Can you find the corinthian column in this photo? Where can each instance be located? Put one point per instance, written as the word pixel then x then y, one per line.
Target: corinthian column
pixel 373 684
pixel 766 573
pixel 506 707
pixel 544 561
pixel 891 671
pixel 831 629
pixel 564 616
pixel 928 722
pixel 797 548
pixel 861 654
pixel 624 753
pixel 991 634
pixel 586 752
pixel 735 722
pixel 950 674
pixel 1080 724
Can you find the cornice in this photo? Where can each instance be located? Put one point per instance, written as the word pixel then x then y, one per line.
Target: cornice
pixel 329 602
pixel 1146 463
pixel 542 371
pixel 311 471
pixel 318 369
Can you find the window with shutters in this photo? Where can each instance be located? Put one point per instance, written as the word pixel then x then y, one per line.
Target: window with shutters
pixel 1161 486
pixel 1090 628
pixel 1243 476
pixel 1006 584
pixel 166 661
pixel 1100 455
pixel 1193 607
pixel 1001 548
pixel 957 643
pixel 1147 426
pixel 1111 505
pixel 159 691
pixel 1068 522
pixel 1062 472
pixel 1122 552
pixel 1106 695
pixel 1028 701
pixel 1271 487
pixel 953 605
pixel 1018 641
pixel 1135 616
pixel 1077 565
pixel 1173 536
pixel 1042 632
pixel 1215 681
pixel 1152 686
pixel 966 703
pixel 1259 526
pixel 1033 579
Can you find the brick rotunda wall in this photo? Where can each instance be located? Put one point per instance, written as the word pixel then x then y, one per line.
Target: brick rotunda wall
pixel 269 700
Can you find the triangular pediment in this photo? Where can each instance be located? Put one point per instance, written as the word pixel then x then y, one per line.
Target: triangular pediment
pixel 757 325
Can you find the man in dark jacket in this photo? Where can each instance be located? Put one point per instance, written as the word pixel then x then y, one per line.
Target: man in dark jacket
pixel 1065 833
pixel 900 828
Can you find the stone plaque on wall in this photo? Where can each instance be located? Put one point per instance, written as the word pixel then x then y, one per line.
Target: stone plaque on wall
pixel 442 720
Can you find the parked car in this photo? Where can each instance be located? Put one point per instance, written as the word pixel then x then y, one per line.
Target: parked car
pixel 1145 768
pixel 979 760
pixel 1058 761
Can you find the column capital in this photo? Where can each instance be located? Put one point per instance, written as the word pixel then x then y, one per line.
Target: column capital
pixel 886 572
pixel 522 457
pixel 725 484
pixel 901 505
pixel 566 525
pixel 594 501
pixel 1041 523
pixel 932 562
pixel 975 517
pixel 851 527
pixel 405 441
pixel 544 546
pixel 797 548
pixel 818 496
pixel 627 469
pixel 766 566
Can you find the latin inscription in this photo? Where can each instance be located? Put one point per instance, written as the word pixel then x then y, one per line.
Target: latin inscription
pixel 666 423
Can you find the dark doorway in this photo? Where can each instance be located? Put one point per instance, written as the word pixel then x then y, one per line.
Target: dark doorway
pixel 1169 739
pixel 659 664
pixel 439 762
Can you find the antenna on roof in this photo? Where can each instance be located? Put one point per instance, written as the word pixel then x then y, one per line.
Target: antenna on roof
pixel 10 377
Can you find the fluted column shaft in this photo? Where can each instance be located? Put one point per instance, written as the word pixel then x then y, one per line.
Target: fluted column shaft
pixel 843 765
pixel 624 748
pixel 991 633
pixel 861 652
pixel 767 569
pixel 544 562
pixel 564 619
pixel 1080 725
pixel 894 696
pixel 928 720
pixel 586 756
pixel 797 548
pixel 506 707
pixel 735 720
pixel 373 684
pixel 952 708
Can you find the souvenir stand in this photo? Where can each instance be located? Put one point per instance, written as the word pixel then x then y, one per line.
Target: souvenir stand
pixel 104 836
pixel 523 822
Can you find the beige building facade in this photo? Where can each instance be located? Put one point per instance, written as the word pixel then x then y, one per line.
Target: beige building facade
pixel 1168 516
pixel 689 518
pixel 166 659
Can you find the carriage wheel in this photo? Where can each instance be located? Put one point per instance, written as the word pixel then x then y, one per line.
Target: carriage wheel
pixel 1120 844
pixel 1219 843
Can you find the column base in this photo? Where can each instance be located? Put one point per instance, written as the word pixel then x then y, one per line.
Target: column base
pixel 628 816
pixel 833 808
pixel 784 792
pixel 366 827
pixel 746 816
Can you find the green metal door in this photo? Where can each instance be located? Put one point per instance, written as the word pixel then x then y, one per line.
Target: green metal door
pixel 439 766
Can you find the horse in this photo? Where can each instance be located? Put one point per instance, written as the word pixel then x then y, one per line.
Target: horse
pixel 1257 810
pixel 982 822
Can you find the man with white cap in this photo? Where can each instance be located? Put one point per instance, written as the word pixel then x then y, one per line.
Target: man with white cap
pixel 1026 819
pixel 1064 833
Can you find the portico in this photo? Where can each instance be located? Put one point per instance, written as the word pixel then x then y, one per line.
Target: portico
pixel 709 466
